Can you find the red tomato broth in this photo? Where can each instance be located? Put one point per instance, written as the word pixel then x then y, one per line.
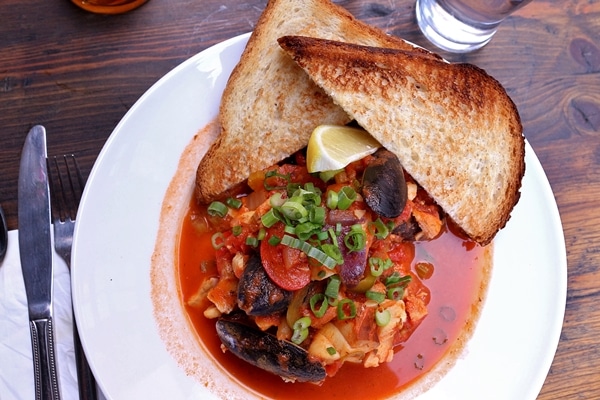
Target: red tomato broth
pixel 457 286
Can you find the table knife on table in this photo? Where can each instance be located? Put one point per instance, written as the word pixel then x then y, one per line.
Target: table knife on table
pixel 35 247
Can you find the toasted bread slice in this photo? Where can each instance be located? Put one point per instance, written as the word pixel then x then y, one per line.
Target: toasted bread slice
pixel 270 106
pixel 453 127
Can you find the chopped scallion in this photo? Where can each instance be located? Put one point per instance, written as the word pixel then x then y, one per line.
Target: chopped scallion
pixel 346 309
pixel 356 239
pixel 293 209
pixel 380 230
pixel 332 200
pixel 318 305
pixel 333 287
pixel 269 218
pixel 346 197
pixel 397 279
pixel 382 318
pixel 261 234
pixel 275 174
pixel 395 293
pixel 217 240
pixel 217 209
pixel 233 202
pixel 375 296
pixel 317 215
pixel 300 329
pixel 334 252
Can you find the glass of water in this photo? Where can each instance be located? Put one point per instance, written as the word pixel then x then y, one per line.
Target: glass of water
pixel 461 26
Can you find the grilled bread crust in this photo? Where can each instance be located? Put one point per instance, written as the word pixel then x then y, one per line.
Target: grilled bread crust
pixel 453 127
pixel 270 106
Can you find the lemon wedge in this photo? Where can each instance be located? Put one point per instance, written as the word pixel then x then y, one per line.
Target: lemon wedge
pixel 332 147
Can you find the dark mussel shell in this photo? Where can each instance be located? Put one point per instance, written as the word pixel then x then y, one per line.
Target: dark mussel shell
pixel 384 186
pixel 257 293
pixel 265 351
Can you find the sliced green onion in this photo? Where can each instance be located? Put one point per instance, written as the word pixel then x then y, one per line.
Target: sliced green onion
pixel 395 293
pixel 306 230
pixel 346 309
pixel 217 240
pixel 233 203
pixel 320 301
pixel 333 287
pixel 378 265
pixel 293 209
pixel 299 336
pixel 308 197
pixel 300 329
pixel 382 318
pixel 302 323
pixel 276 200
pixel 291 188
pixel 262 232
pixel 334 252
pixel 309 250
pixel 269 218
pixel 328 175
pixel 333 236
pixel 275 174
pixel 291 241
pixel 322 235
pixel 317 215
pixel 356 239
pixel 217 209
pixel 331 350
pixel 252 241
pixel 346 197
pixel 274 240
pixel 380 230
pixel 332 200
pixel 236 230
pixel 397 279
pixel 320 256
pixel 375 296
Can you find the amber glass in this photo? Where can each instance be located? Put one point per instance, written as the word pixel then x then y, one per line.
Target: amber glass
pixel 109 6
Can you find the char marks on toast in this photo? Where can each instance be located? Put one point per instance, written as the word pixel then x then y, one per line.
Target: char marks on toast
pixel 452 126
pixel 270 106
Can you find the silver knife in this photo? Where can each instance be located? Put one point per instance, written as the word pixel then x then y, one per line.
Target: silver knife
pixel 35 247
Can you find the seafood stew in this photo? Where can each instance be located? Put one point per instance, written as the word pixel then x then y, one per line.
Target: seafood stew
pixel 346 280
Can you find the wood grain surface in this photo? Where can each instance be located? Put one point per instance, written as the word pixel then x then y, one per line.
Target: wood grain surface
pixel 78 73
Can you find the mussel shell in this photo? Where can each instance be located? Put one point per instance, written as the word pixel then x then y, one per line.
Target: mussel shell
pixel 257 293
pixel 384 187
pixel 265 351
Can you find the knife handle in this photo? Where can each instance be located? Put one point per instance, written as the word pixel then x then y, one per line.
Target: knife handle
pixel 44 361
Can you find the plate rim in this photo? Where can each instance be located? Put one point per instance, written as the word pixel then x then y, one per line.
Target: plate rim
pixel 531 163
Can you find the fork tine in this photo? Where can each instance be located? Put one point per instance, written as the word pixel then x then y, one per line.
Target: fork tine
pixel 67 186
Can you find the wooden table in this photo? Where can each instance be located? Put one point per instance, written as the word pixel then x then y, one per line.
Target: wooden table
pixel 78 73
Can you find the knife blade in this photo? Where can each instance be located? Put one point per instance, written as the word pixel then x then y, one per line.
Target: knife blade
pixel 35 247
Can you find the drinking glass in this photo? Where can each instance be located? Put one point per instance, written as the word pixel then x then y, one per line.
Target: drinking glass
pixel 109 6
pixel 461 26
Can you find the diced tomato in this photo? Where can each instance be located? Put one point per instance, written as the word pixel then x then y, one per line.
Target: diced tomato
pixel 287 267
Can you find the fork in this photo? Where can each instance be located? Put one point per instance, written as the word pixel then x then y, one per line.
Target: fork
pixel 66 187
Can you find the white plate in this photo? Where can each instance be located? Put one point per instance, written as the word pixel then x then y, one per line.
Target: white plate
pixel 507 357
